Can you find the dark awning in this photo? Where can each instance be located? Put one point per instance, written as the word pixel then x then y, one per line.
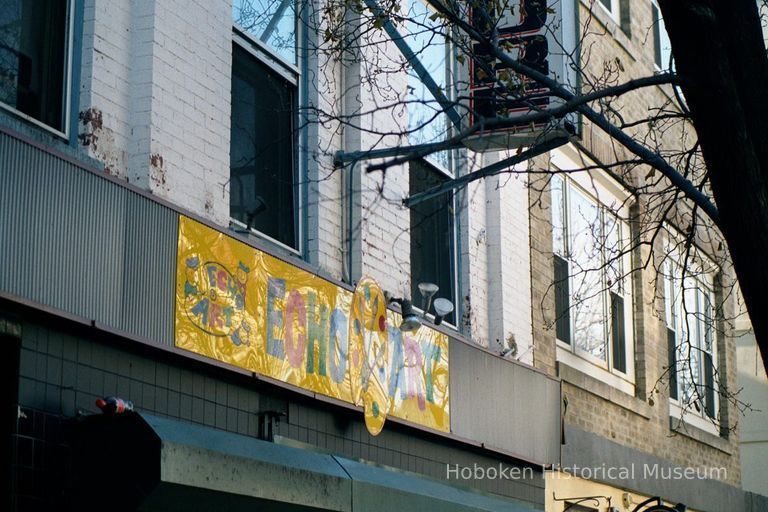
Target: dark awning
pixel 131 460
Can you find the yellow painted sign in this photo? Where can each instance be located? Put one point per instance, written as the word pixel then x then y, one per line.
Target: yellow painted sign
pixel 241 306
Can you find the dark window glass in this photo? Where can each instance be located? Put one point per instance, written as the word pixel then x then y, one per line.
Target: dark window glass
pixel 432 245
pixel 262 157
pixel 608 4
pixel 562 300
pixel 618 337
pixel 33 52
pixel 709 386
pixel 672 351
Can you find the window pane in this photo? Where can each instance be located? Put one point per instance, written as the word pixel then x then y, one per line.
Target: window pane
pixel 706 319
pixel 33 43
pixel 709 385
pixel 618 337
pixel 688 356
pixel 262 180
pixel 672 360
pixel 426 120
pixel 669 294
pixel 613 256
pixel 558 216
pixel 270 21
pixel 656 36
pixel 588 309
pixel 691 348
pixel 662 45
pixel 705 326
pixel 432 246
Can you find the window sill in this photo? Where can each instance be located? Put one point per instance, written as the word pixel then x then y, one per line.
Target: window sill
pixel 624 398
pixel 62 135
pixel 275 246
pixel 702 435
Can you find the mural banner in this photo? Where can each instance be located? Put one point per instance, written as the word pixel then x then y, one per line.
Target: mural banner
pixel 242 306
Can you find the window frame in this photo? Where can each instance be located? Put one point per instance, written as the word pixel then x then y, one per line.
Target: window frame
pixel 658 30
pixel 611 199
pixel 449 89
pixel 614 11
pixel 292 73
pixel 454 260
pixel 67 85
pixel 703 276
pixel 447 169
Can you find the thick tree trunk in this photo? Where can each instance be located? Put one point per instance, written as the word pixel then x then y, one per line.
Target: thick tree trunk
pixel 721 60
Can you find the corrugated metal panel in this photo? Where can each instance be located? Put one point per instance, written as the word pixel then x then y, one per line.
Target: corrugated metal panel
pixel 150 260
pixel 74 241
pixel 520 408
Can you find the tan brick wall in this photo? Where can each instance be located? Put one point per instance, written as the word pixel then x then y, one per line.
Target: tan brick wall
pixel 634 423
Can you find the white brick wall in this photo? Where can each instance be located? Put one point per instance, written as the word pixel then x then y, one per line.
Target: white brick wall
pixel 106 83
pixel 475 261
pixel 510 275
pixel 155 99
pixel 326 194
pixel 156 78
pixel 384 222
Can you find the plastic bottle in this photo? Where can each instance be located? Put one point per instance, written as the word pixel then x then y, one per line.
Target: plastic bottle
pixel 114 405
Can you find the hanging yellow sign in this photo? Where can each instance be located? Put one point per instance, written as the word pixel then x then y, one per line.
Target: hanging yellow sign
pixel 242 306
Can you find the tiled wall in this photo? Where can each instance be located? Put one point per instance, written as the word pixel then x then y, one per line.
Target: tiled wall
pixel 64 369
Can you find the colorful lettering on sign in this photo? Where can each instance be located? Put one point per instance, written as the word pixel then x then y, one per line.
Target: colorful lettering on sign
pixel 215 299
pixel 244 307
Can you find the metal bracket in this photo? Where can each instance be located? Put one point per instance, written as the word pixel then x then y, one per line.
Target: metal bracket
pixel 572 502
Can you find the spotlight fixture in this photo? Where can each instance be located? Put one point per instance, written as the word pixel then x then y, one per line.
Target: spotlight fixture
pixel 443 308
pixel 428 290
pixel 411 321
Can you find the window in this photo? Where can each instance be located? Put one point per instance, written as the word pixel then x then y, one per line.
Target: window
pixel 432 221
pixel 662 48
pixel 34 60
pixel 432 236
pixel 593 300
pixel 272 22
pixel 427 39
pixel 613 8
pixel 689 299
pixel 264 193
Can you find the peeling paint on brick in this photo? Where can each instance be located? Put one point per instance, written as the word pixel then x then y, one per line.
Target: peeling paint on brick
pixel 209 202
pixel 100 142
pixel 157 173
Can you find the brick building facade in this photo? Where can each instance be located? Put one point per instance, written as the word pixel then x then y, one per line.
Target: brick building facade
pixel 170 111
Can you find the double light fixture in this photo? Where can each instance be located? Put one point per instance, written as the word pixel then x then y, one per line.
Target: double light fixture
pixel 412 320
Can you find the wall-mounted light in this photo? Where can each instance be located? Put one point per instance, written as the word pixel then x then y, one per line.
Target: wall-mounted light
pixel 443 308
pixel 412 321
pixel 427 290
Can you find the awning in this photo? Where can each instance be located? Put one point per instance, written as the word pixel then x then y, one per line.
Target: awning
pixel 139 461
